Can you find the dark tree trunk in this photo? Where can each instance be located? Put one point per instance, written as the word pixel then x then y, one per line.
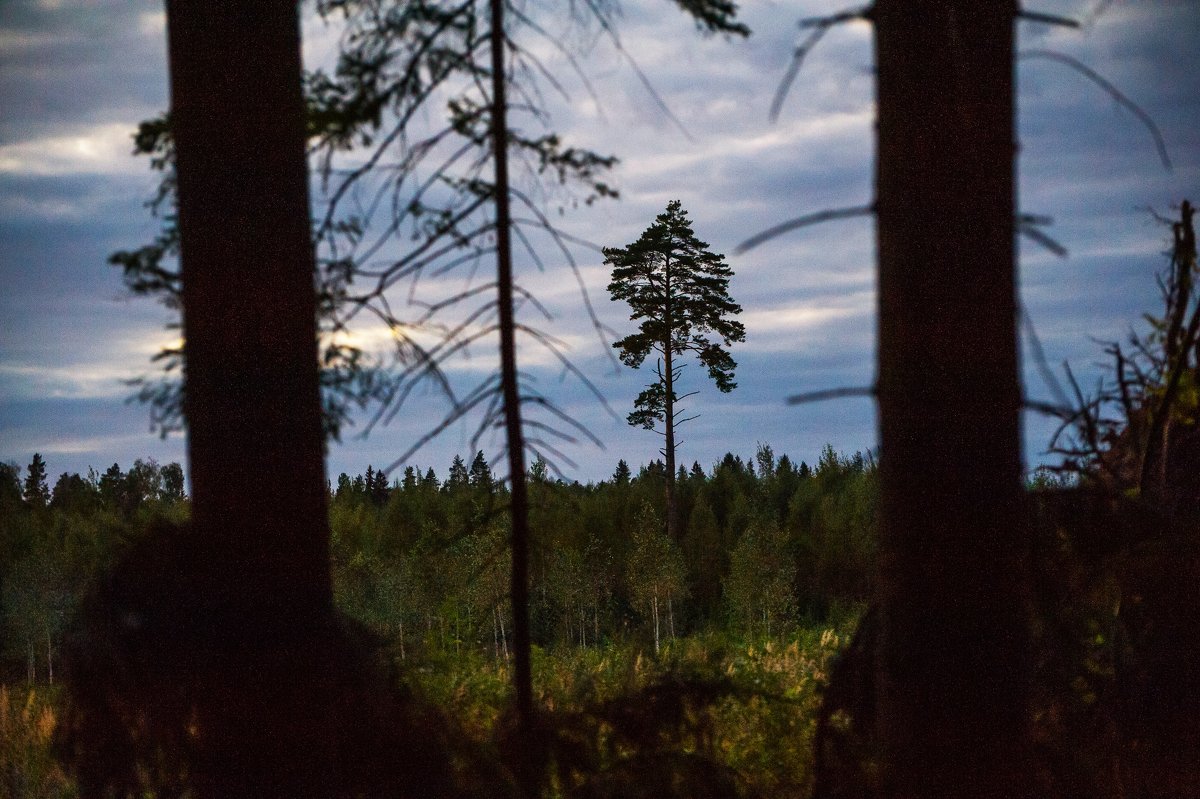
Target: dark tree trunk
pixel 519 510
pixel 668 378
pixel 673 531
pixel 252 399
pixel 953 662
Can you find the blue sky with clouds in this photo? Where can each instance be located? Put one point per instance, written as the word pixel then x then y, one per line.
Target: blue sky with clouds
pixel 77 75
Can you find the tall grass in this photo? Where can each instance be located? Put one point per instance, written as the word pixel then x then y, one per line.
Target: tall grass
pixel 737 716
pixel 27 768
pixel 744 710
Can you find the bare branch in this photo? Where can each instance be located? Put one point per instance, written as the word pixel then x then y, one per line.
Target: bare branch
pixel 570 367
pixel 437 430
pixel 560 239
pixel 1096 12
pixel 1047 19
pixel 1039 358
pixel 1032 233
pixel 1057 411
pixel 819 27
pixel 802 221
pixel 611 32
pixel 831 394
pixel 565 417
pixel 1113 91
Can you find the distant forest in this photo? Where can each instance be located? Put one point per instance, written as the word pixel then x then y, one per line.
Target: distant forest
pixel 423 560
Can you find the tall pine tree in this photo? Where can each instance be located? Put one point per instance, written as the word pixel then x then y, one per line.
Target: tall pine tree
pixel 678 290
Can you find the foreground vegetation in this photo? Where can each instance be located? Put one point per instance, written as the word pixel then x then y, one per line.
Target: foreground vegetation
pixel 708 651
pixel 740 715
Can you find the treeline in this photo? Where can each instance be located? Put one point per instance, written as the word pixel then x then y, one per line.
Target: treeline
pixel 54 541
pixel 423 560
pixel 763 543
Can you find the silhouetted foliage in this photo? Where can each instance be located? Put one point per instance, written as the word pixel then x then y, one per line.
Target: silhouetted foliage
pixel 36 492
pixel 677 290
pixel 1121 591
pixel 1137 432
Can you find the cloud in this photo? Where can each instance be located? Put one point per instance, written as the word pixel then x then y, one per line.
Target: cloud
pixel 152 24
pixel 15 42
pixel 96 150
pixel 78 76
pixel 782 328
pixel 84 381
pixel 103 374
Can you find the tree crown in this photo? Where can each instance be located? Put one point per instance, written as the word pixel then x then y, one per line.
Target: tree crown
pixel 678 291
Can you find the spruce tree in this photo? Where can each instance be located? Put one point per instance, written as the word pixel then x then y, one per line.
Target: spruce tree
pixel 37 492
pixel 677 290
pixel 10 485
pixel 459 477
pixel 112 485
pixel 480 475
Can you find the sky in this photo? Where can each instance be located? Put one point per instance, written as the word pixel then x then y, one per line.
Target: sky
pixel 77 75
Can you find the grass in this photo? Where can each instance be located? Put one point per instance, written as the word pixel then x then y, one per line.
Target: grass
pixel 745 708
pixel 27 768
pixel 735 713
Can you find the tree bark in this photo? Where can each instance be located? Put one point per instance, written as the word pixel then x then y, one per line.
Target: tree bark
pixel 954 661
pixel 669 408
pixel 527 777
pixel 654 607
pixel 252 399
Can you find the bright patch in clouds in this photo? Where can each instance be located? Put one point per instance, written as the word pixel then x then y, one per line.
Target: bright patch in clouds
pixel 775 321
pixel 106 377
pixel 13 42
pixel 809 132
pixel 781 329
pixel 152 23
pixel 99 150
pixel 79 381
pixel 43 208
pixel 101 445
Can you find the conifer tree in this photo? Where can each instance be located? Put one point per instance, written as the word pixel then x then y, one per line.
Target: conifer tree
pixel 678 290
pixel 37 492
pixel 480 475
pixel 10 485
pixel 458 474
pixel 430 479
pixel 112 485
